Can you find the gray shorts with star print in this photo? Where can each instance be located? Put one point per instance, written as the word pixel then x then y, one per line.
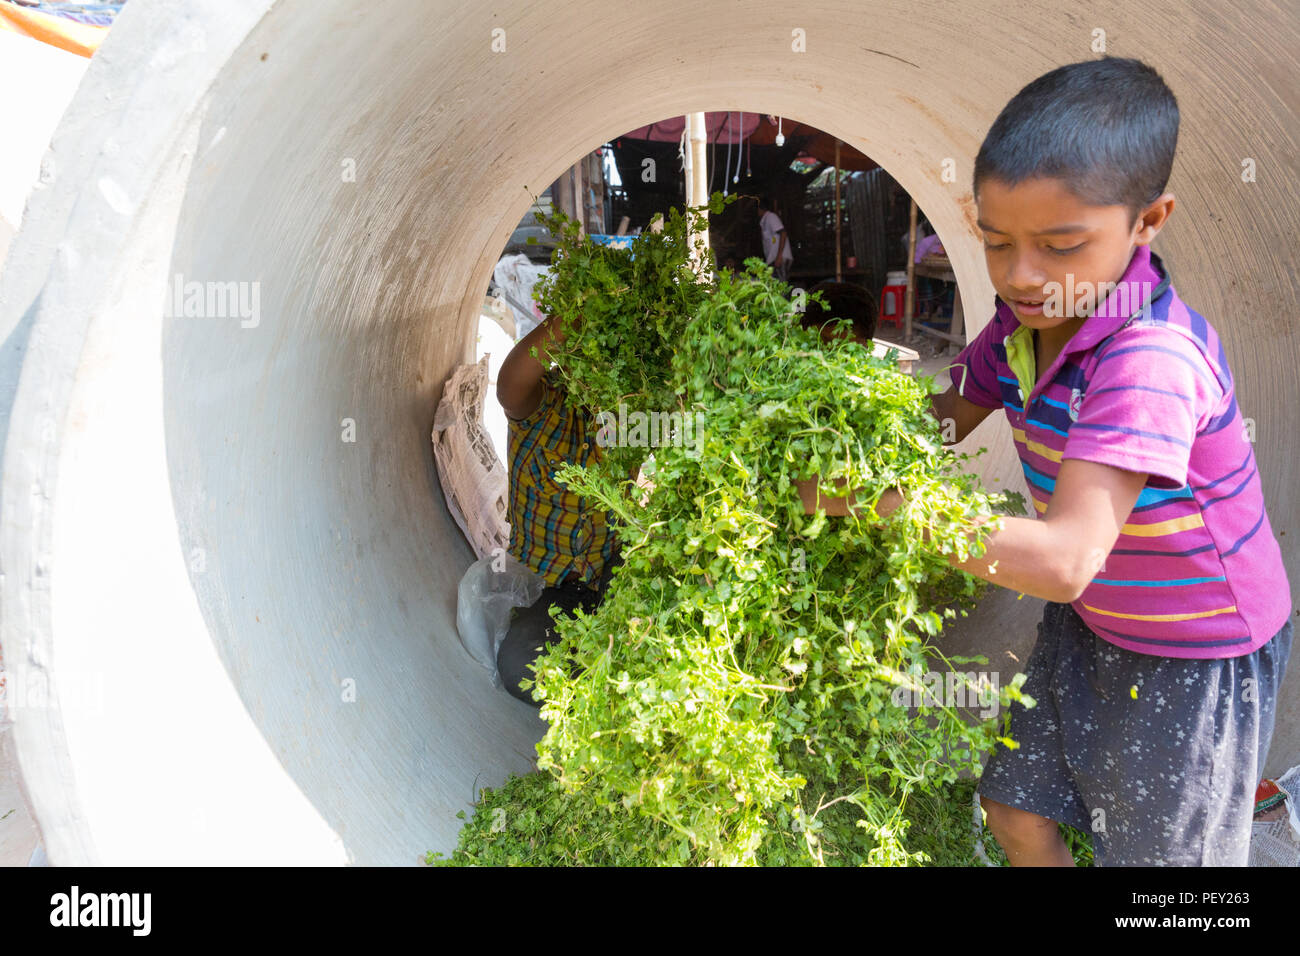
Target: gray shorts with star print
pixel 1166 778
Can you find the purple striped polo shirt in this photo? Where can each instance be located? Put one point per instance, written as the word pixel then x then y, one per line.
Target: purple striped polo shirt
pixel 1144 386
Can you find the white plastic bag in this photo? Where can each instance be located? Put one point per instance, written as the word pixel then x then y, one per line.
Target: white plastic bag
pixel 491 588
pixel 517 275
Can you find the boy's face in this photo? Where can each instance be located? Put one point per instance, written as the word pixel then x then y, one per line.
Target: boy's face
pixel 1038 232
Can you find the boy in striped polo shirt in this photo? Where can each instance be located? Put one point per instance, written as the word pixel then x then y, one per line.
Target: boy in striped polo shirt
pixel 1168 623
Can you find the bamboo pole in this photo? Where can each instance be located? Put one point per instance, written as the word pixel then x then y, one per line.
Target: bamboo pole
pixel 839 274
pixel 688 158
pixel 562 193
pixel 596 189
pixel 909 301
pixel 946 336
pixel 578 172
pixel 697 167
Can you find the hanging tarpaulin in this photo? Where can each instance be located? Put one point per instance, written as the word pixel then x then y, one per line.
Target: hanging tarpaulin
pixel 811 142
pixel 720 127
pixel 75 30
pixel 760 129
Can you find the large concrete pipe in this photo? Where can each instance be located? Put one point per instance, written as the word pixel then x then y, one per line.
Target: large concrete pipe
pixel 48 77
pixel 245 622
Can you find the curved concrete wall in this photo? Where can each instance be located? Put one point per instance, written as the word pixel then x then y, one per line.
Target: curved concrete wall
pixel 205 573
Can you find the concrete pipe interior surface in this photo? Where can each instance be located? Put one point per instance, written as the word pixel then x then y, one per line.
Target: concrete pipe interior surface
pixel 243 623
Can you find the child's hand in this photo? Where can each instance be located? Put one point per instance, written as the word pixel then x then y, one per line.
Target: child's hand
pixel 812 500
pixel 839 506
pixel 889 501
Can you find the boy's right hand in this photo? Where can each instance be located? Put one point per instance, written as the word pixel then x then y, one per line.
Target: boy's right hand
pixel 812 499
pixel 957 416
pixel 842 505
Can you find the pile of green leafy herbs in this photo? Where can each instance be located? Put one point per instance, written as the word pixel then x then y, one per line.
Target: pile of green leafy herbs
pixel 530 821
pixel 731 700
pixel 625 309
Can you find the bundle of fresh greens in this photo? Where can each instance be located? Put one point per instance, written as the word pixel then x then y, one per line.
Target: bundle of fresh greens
pixel 734 699
pixel 738 678
pixel 530 821
pixel 624 311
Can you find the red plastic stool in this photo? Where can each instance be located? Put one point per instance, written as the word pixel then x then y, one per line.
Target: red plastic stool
pixel 891 304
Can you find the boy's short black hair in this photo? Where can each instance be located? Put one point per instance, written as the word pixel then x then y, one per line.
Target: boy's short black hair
pixel 1107 127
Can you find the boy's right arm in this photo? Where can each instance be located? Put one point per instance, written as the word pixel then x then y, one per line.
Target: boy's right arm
pixel 964 414
pixel 519 382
